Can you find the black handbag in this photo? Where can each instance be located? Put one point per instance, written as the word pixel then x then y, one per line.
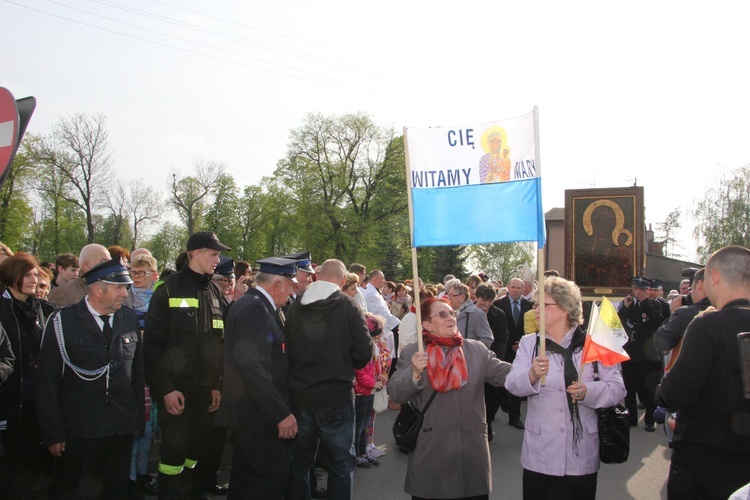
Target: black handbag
pixel 614 431
pixel 408 424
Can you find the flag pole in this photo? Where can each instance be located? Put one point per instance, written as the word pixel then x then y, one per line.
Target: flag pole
pixel 540 277
pixel 540 260
pixel 414 264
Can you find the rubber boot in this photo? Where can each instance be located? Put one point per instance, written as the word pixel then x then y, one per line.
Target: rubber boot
pixel 144 486
pixel 169 486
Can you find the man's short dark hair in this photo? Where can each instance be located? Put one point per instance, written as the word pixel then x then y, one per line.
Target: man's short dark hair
pixel 65 260
pixel 357 268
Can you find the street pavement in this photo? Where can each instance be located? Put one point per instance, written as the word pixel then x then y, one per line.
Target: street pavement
pixel 642 477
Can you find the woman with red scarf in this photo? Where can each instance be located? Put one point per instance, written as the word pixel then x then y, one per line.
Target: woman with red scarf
pixel 452 457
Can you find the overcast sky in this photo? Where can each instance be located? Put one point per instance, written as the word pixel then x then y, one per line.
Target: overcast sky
pixel 648 92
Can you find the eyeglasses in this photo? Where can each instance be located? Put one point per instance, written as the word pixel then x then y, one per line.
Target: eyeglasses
pixel 223 280
pixel 550 304
pixel 140 274
pixel 455 294
pixel 445 314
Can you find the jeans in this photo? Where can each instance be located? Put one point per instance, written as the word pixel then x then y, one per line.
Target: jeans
pixel 333 426
pixel 140 453
pixel 363 407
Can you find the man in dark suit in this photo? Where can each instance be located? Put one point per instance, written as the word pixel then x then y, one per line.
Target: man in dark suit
pixel 256 384
pixel 514 306
pixel 90 388
pixel 499 326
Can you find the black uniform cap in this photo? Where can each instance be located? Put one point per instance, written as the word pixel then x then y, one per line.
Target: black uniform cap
pixel 111 271
pixel 304 261
pixel 279 265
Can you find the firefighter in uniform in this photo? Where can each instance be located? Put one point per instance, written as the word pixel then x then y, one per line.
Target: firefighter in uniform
pixel 183 351
pixel 90 391
pixel 641 316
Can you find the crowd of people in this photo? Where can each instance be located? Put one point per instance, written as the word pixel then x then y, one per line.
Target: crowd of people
pixel 101 352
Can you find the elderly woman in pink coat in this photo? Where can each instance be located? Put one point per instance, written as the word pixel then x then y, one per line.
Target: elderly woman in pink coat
pixel 560 454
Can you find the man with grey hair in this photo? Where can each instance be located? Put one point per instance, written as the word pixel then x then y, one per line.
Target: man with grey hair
pixel 377 305
pixel 711 457
pixel 514 306
pixel 471 321
pixel 328 340
pixel 90 388
pixel 256 384
pixel 74 290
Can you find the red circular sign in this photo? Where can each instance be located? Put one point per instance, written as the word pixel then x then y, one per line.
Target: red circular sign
pixel 8 129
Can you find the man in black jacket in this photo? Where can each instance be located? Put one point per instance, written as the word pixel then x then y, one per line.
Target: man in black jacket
pixel 90 388
pixel 514 306
pixel 499 326
pixel 641 316
pixel 256 385
pixel 671 332
pixel 711 457
pixel 328 340
pixel 184 352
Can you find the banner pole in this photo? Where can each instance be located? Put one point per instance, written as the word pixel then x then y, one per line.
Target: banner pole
pixel 414 263
pixel 540 264
pixel 540 260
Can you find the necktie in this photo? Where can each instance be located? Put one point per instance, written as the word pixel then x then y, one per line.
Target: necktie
pixel 516 312
pixel 107 328
pixel 281 316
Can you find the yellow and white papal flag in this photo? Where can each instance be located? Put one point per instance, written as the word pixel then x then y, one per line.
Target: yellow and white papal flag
pixel 606 336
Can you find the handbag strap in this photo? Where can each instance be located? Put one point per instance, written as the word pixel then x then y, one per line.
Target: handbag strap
pixel 424 410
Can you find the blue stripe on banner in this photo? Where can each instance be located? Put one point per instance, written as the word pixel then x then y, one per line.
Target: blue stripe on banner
pixel 503 212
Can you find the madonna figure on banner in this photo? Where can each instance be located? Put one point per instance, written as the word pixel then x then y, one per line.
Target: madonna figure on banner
pixel 560 453
pixel 452 456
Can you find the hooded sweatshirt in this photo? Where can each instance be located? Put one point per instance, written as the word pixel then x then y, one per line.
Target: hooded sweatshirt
pixel 328 340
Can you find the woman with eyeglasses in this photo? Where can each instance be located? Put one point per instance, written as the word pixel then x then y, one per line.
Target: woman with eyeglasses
pixel 452 457
pixel 560 453
pixel 22 316
pixel 43 284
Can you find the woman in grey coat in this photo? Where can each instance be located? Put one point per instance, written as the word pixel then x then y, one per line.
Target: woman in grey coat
pixel 452 457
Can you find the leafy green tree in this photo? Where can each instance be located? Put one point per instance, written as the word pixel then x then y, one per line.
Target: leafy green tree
pixel 222 217
pixel 723 214
pixel 449 260
pixel 167 244
pixel 113 231
pixel 253 220
pixel 280 228
pixel 190 195
pixel 502 260
pixel 339 167
pixel 16 213
pixel 60 231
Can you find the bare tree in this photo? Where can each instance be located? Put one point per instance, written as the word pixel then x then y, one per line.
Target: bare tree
pixel 190 195
pixel 144 207
pixel 117 204
pixel 78 149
